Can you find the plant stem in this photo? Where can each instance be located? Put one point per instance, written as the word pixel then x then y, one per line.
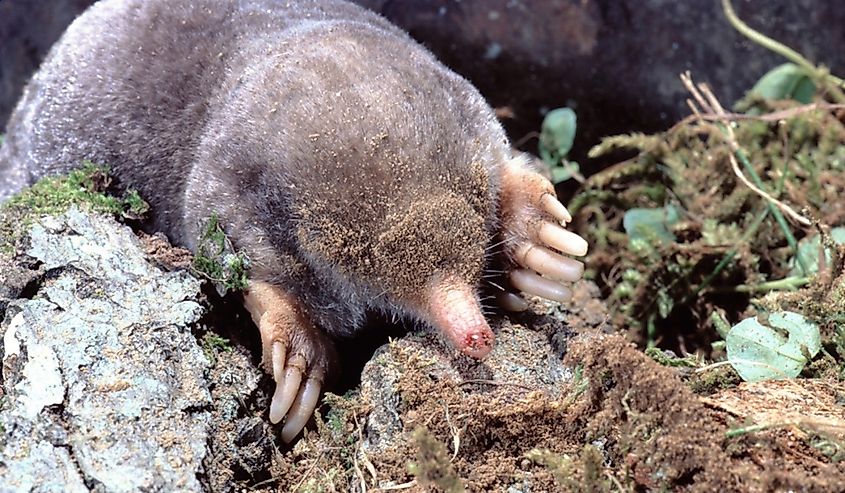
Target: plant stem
pixel 787 283
pixel 790 238
pixel 782 50
pixel 749 429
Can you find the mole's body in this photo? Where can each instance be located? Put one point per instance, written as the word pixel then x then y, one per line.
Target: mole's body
pixel 355 171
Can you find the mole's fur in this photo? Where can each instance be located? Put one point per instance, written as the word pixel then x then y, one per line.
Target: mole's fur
pixel 338 153
pixel 356 172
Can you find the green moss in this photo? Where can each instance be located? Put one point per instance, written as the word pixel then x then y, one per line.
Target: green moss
pixel 212 344
pixel 88 186
pixel 53 195
pixel 135 205
pixel 216 259
pixel 667 359
pixel 713 380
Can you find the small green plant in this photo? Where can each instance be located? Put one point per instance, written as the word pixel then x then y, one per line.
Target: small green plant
pixel 212 344
pixel 216 259
pixel 809 250
pixel 650 226
pixel 776 347
pixel 557 135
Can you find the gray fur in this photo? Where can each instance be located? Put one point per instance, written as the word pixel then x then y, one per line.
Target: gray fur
pixel 314 129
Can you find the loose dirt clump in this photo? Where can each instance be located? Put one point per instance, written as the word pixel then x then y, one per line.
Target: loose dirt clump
pixel 661 435
pixel 621 423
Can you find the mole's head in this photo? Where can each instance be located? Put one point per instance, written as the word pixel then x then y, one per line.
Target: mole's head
pixel 424 258
pixel 431 261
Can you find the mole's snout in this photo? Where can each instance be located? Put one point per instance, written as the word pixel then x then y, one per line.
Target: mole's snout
pixel 456 312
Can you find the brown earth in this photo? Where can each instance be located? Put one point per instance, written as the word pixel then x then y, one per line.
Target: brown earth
pixel 622 422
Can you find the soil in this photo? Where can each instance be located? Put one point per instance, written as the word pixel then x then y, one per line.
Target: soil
pixel 577 398
pixel 623 423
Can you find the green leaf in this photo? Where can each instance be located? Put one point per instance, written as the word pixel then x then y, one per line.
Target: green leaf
pixel 564 172
pixel 809 249
pixel 651 225
pixel 665 303
pixel 787 81
pixel 557 135
pixel 775 350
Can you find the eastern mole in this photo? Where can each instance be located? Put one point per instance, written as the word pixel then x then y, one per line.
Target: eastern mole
pixel 357 172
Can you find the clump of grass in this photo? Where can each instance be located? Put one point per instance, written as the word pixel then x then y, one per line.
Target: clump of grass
pixel 217 260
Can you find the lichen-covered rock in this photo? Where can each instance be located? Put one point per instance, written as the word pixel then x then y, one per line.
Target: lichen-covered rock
pixel 104 384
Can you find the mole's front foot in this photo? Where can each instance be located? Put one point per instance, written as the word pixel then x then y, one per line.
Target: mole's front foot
pixel 534 240
pixel 297 354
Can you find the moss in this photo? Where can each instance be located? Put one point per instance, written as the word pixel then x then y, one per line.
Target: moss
pixel 583 474
pixel 433 467
pixel 216 259
pixel 668 359
pixel 134 205
pixel 212 344
pixel 89 186
pixel 713 380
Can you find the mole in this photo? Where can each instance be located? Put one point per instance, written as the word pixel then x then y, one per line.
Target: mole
pixel 357 173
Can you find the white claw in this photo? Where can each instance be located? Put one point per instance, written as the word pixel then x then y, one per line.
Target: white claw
pixel 560 239
pixel 553 206
pixel 302 409
pixel 512 302
pixel 279 352
pixel 531 283
pixel 286 388
pixel 549 263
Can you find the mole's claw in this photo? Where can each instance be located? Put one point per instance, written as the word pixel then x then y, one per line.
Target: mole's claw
pixel 531 283
pixel 511 302
pixel 536 245
pixel 286 388
pixel 548 263
pixel 293 350
pixel 562 240
pixel 302 409
pixel 552 205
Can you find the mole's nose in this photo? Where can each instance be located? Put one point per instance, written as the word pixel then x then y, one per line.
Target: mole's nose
pixel 456 312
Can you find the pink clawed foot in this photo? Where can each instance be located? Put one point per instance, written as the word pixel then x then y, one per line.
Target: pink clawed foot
pixel 536 242
pixel 296 353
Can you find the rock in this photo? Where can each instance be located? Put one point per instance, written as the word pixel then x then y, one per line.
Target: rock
pixel 615 62
pixel 105 386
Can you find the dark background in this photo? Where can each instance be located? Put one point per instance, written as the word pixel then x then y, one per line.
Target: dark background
pixel 616 62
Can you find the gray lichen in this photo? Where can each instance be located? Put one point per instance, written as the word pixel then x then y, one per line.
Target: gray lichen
pixel 104 382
